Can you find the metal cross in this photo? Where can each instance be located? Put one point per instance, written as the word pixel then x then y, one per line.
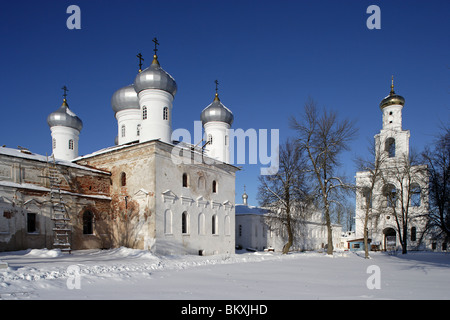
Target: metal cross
pixel 217 85
pixel 156 44
pixel 140 61
pixel 65 92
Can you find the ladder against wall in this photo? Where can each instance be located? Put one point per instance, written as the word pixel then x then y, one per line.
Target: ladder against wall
pixel 60 216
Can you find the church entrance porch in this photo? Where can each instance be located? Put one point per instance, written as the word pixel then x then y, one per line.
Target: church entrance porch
pixel 389 239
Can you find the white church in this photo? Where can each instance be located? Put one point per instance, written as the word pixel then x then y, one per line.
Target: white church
pixel 140 193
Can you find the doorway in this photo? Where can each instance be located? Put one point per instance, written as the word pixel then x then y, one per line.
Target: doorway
pixel 390 239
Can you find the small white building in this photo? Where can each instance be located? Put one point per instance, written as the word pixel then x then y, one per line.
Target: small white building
pixel 253 232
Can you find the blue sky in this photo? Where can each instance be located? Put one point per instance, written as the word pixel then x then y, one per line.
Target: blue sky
pixel 269 57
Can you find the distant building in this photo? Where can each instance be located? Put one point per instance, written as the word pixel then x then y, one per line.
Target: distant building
pixel 253 232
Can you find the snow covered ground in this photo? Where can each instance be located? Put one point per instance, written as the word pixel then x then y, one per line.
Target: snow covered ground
pixel 135 274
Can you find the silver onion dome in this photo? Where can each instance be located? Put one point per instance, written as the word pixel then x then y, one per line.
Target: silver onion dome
pixel 64 117
pixel 125 98
pixel 216 111
pixel 154 77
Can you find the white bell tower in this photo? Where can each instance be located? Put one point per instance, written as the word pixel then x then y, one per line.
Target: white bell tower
pixel 392 139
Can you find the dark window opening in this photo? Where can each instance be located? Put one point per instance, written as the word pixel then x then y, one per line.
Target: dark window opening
pixel 123 179
pixel 413 234
pixel 184 223
pixel 390 147
pixel 185 180
pixel 88 221
pixel 31 222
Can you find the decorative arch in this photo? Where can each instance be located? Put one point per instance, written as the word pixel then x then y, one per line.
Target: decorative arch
pixel 227 224
pixel 201 184
pixel 168 222
pixel 201 224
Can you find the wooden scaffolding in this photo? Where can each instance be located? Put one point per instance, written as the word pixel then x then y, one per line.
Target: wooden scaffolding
pixel 61 229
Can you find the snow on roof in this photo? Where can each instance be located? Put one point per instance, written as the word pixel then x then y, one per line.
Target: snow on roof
pixel 25 154
pixel 104 150
pixel 243 209
pixel 34 187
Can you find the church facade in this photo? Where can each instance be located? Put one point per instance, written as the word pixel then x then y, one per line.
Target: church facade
pixel 146 192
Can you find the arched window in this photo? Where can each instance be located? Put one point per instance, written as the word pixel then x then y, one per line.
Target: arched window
pixel 166 113
pixel 214 186
pixel 144 112
pixel 123 179
pixel 185 180
pixel 227 225
pixel 201 224
pixel 214 224
pixel 201 183
pixel 184 223
pixel 88 222
pixel 70 144
pixel 390 194
pixel 122 130
pixel 210 139
pixel 390 147
pixel 168 222
pixel 415 195
pixel 413 234
pixel 54 143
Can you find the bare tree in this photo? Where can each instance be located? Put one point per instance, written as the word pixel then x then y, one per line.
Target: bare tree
pixel 284 193
pixel 323 138
pixel 438 162
pixel 405 193
pixel 367 181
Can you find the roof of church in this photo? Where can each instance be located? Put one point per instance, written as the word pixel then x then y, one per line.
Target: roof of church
pixel 216 111
pixel 392 98
pixel 64 117
pixel 26 154
pixel 244 209
pixel 125 98
pixel 155 77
